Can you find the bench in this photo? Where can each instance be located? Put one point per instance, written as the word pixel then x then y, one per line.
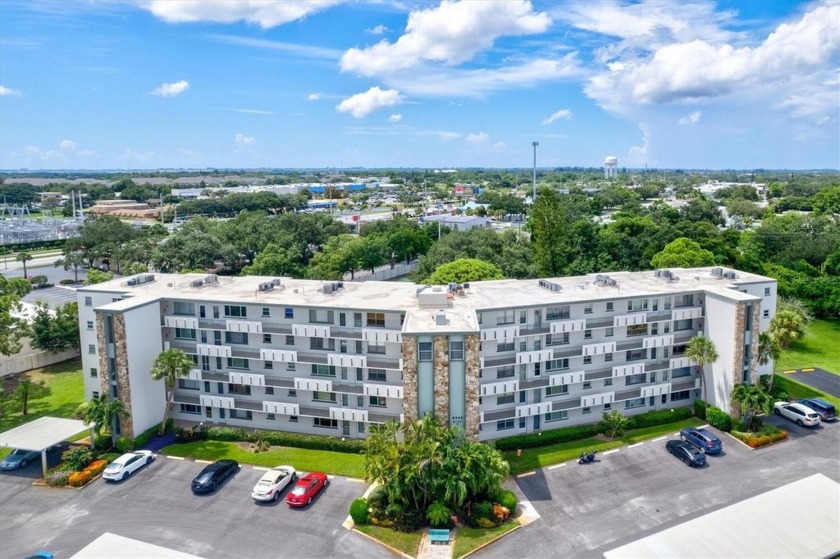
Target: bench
pixel 439 535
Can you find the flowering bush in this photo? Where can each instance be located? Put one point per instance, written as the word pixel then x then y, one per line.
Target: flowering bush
pixel 95 468
pixel 500 513
pixel 57 479
pixel 765 437
pixel 78 479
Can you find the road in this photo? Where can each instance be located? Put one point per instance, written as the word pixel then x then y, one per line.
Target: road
pixel 818 378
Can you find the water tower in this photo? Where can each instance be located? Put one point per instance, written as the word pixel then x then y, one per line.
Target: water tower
pixel 610 167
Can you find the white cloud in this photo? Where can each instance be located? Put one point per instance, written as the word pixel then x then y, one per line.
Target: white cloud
pixel 395 118
pixel 263 13
pixel 9 91
pixel 362 104
pixel 244 140
pixel 378 30
pixel 171 89
pixel 250 111
pixel 565 114
pixel 693 118
pixel 305 51
pixel 68 145
pixel 499 146
pixel 451 33
pixel 638 155
pixel 475 139
pixel 313 97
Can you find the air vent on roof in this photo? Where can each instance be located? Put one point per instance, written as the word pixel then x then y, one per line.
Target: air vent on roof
pixel 717 272
pixel 131 282
pixel 550 285
pixel 440 318
pixel 196 283
pixel 729 274
pixel 333 287
pixel 601 279
pixel 140 279
pixel 275 282
pixel 664 274
pixel 211 279
pixel 266 286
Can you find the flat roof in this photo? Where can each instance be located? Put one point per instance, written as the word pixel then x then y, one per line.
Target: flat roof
pixel 108 546
pixel 42 433
pixel 799 519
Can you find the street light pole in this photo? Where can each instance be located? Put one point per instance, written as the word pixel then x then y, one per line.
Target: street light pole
pixel 534 198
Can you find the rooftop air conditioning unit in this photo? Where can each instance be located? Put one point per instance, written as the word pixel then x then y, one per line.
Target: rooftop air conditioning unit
pixel 730 275
pixel 717 272
pixel 275 282
pixel 328 288
pixel 196 283
pixel 440 318
pixel 131 282
pixel 211 278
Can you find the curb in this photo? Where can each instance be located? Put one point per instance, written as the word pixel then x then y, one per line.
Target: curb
pixel 485 544
pixel 736 439
pixel 385 545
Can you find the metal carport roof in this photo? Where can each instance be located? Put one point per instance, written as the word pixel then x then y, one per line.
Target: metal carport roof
pixel 41 434
pixel 108 546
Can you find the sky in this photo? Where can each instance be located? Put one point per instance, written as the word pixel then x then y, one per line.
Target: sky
pixel 152 84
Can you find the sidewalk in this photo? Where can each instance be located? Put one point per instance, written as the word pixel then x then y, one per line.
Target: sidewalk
pixel 428 550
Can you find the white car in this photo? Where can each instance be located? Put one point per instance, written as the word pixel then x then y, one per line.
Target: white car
pixel 269 486
pixel 127 464
pixel 801 414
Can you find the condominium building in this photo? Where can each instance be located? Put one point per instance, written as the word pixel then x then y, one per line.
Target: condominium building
pixel 495 357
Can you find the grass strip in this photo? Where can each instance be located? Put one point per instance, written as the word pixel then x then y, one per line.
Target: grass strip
pixel 408 543
pixel 303 459
pixel 468 539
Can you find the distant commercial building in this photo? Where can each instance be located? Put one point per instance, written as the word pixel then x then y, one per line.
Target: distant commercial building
pixel 459 222
pixel 495 357
pixel 125 208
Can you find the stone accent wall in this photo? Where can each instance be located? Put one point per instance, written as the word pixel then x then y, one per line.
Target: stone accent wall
pixel 440 355
pixel 123 384
pixel 756 320
pixel 409 370
pixel 103 358
pixel 471 354
pixel 738 352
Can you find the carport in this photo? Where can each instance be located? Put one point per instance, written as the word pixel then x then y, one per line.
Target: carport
pixel 41 434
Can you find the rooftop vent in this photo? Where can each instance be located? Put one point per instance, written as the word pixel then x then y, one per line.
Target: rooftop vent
pixel 333 287
pixel 717 272
pixel 729 274
pixel 429 296
pixel 211 279
pixel 440 318
pixel 196 283
pixel 266 286
pixel 550 285
pixel 601 279
pixel 275 282
pixel 140 279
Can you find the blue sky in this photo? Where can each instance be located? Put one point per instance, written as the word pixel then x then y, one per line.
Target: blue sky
pixel 249 83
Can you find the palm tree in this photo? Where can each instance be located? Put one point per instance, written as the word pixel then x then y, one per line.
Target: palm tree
pixel 752 400
pixel 702 350
pixel 100 412
pixel 768 350
pixel 170 365
pixel 788 325
pixel 24 257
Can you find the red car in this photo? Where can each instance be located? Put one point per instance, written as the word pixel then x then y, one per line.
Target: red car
pixel 306 488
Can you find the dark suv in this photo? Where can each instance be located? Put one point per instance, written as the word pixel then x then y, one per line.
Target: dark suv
pixel 825 410
pixel 211 477
pixel 702 439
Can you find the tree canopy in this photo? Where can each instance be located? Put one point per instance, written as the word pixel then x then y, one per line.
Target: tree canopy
pixel 465 270
pixel 683 253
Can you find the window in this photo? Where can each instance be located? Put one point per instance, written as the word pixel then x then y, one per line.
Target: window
pixel 654 329
pixel 636 354
pixel 587 334
pixel 609 332
pixel 238 363
pixel 357 320
pixel 290 340
pixel 587 309
pixel 456 351
pixel 90 324
pixel 586 410
pixel 681 372
pixel 243 389
pixel 635 379
pixel 505 372
pixel 240 414
pixel 93 371
pixel 376 319
pixel 324 422
pixel 556 390
pixel 288 313
pixel 88 302
pixel 637 330
pixel 377 374
pixel 377 349
pixel 91 349
pixel 291 366
pixel 680 325
pixel 634 403
pixel 270 416
pixel 555 313
pixel 321 396
pixel 268 365
pixel 188 384
pixel 266 311
pixel 95 394
pixel 587 359
pixel 191 408
pixel 184 334
pixel 506 346
pixel 587 385
pixel 766 313
pixel 608 406
pixel 323 370
pixel 359 350
pixel 608 357
pixel 766 291
pixel 681 395
pixel 292 393
pixel 556 416
pixel 556 339
pixel 320 316
pixel 376 401
pixel 686 300
pixel 505 317
pixel 182 308
pixel 523 317
pixel 635 305
pixel 293 419
pixel 504 425
pixel 235 311
pixel 504 399
pixel 557 364
pixel 607 382
pixel 610 306
pixel 424 350
pixel 322 343
pixel 266 338
pixel 269 390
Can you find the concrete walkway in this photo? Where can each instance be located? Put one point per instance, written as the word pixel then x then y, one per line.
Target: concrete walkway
pixel 428 550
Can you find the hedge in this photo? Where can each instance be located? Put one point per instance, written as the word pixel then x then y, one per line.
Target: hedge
pixel 95 468
pixel 659 417
pixel 719 419
pixel 295 440
pixel 755 440
pixel 78 479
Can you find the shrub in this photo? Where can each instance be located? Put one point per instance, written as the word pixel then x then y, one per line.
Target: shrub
pixel 95 468
pixel 359 511
pixel 314 442
pixel 78 479
pixel 231 434
pixel 478 512
pixel 409 520
pixel 562 435
pixel 102 442
pixel 125 444
pixel 393 510
pixel 485 523
pixel 439 515
pixel 108 456
pixel 659 417
pixel 700 409
pixel 143 438
pixel 508 499
pixel 77 458
pixel 66 282
pixel 719 419
pixel 500 513
pixel 57 479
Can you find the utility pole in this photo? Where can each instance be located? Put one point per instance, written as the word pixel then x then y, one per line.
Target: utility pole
pixel 534 199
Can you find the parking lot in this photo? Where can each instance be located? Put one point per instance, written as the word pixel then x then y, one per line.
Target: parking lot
pixel 589 509
pixel 156 505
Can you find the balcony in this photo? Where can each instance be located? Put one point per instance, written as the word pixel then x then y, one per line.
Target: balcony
pixel 309 357
pixel 245 405
pixel 565 404
pixel 208 324
pixel 566 351
pixel 658 366
pixel 628 394
pixel 530 330
pixel 633 344
pixel 186 399
pixel 276 328
pixel 184 345
pixel 317 412
pixel 246 352
pixel 534 383
pixel 382 417
pixel 687 384
pixel 346 333
pixel 500 360
pixel 280 382
pixel 599 375
pixel 605 322
pixel 684 336
pixel 383 363
pixel 499 415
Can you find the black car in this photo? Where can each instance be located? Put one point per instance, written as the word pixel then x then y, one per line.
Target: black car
pixel 211 477
pixel 686 452
pixel 824 409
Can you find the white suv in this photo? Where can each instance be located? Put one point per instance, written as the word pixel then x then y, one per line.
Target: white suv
pixel 802 415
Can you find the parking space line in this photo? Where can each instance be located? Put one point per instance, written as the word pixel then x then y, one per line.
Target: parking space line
pixel 526 474
pixel 356 480
pixel 261 468
pixel 174 457
pixel 203 462
pixel 635 445
pixel 677 434
pixel 807 370
pixel 611 451
pixel 659 439
pixel 557 466
pixel 704 426
pixel 788 372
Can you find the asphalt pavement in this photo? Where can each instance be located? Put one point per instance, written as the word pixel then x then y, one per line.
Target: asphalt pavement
pixel 818 378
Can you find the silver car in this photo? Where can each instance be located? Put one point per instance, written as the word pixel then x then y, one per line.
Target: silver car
pixel 18 458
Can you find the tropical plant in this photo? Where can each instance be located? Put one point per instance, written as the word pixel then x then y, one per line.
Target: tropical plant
pixel 23 257
pixel 752 399
pixel 26 391
pixel 769 350
pixel 613 423
pixel 702 350
pixel 169 366
pixel 99 412
pixel 76 458
pixel 439 515
pixel 788 325
pixel 359 511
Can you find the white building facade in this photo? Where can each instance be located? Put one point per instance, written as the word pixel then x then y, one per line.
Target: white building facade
pixel 497 357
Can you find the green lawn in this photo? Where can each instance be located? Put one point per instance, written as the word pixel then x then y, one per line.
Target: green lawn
pixel 467 539
pixel 796 390
pixel 338 463
pixel 533 458
pixel 65 391
pixel 407 543
pixel 819 348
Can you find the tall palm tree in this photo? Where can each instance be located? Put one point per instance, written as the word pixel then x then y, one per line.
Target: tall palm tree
pixel 752 400
pixel 170 365
pixel 702 350
pixel 100 412
pixel 768 351
pixel 24 257
pixel 788 325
